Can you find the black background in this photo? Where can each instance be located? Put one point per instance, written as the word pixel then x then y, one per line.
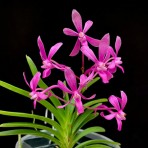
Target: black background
pixel 20 25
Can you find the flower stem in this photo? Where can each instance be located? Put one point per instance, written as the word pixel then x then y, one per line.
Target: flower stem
pixel 82 68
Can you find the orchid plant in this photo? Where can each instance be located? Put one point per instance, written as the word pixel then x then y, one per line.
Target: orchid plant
pixel 72 110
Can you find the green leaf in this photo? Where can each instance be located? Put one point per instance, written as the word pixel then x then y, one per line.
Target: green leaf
pixel 57 112
pixel 97 141
pixel 58 115
pixel 34 70
pixel 80 119
pixel 97 146
pixel 86 132
pixel 33 116
pixel 32 125
pixel 31 132
pixel 96 101
pixel 90 83
pixel 89 118
pixel 14 89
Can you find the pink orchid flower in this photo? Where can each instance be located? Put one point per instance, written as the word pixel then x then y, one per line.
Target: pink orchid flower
pixel 116 62
pixel 76 92
pixel 100 66
pixel 48 63
pixel 82 37
pixel 36 93
pixel 119 105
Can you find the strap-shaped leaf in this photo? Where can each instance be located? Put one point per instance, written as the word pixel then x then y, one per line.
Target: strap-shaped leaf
pixel 82 118
pixel 53 110
pixel 90 83
pixel 34 70
pixel 31 132
pixel 96 101
pixel 33 116
pixel 32 125
pixel 86 132
pixel 97 146
pixel 57 112
pixel 89 118
pixel 14 89
pixel 97 141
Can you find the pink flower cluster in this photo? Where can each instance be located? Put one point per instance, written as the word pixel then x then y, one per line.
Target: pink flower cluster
pixel 104 65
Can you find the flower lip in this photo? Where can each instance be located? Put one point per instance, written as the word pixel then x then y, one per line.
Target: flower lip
pixel 101 66
pixel 121 115
pixel 81 34
pixel 46 64
pixel 118 60
pixel 76 95
pixel 33 95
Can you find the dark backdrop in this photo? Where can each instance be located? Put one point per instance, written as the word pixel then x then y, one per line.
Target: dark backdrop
pixel 20 25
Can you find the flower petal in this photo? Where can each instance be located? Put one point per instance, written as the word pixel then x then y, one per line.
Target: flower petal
pixel 89 53
pixel 94 42
pixel 76 48
pixel 107 55
pixel 114 101
pixel 42 49
pixel 79 105
pixel 70 78
pixel 103 48
pixel 77 20
pixel 112 65
pixel 54 49
pixel 42 96
pixel 46 73
pixel 84 79
pixel 87 25
pixel 108 117
pixel 35 80
pixel 34 103
pixel 124 99
pixel 70 32
pixel 119 123
pixel 117 44
pixel 103 76
pixel 109 75
pixel 62 86
pixel 106 39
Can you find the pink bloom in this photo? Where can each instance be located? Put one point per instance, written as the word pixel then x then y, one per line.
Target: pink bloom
pixel 82 37
pixel 48 63
pixel 76 92
pixel 35 94
pixel 119 105
pixel 116 62
pixel 100 66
